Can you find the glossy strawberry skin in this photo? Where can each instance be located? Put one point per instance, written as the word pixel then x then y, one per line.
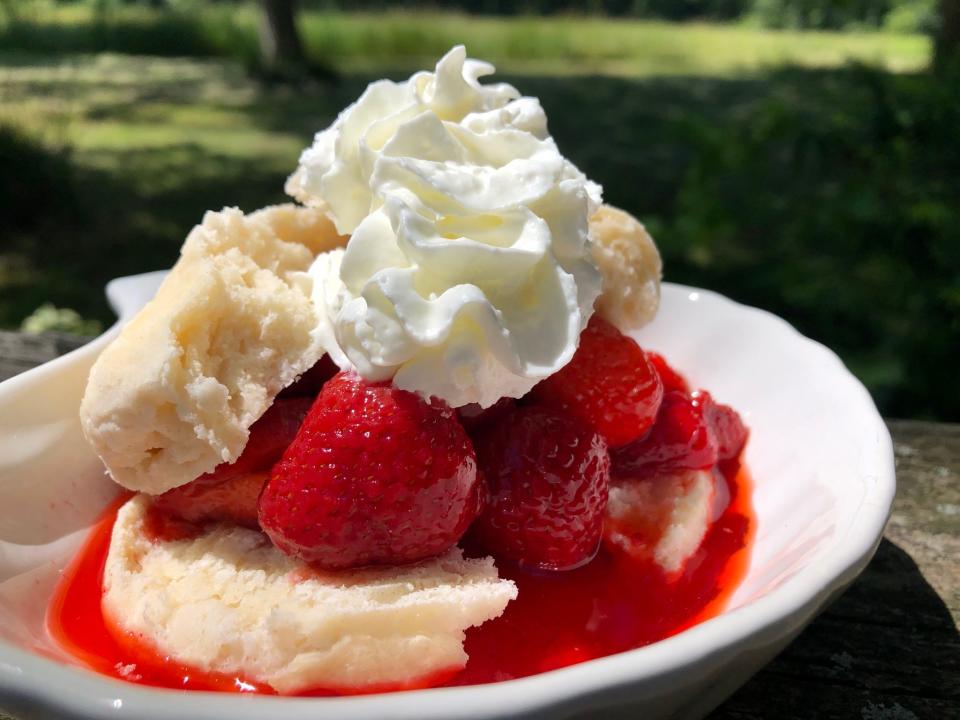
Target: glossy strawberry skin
pixel 679 440
pixel 205 500
pixel 692 432
pixel 230 491
pixel 547 477
pixel 376 475
pixel 609 384
pixel 670 378
pixel 728 429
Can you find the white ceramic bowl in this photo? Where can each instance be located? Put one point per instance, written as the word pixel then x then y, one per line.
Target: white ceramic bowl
pixel 819 454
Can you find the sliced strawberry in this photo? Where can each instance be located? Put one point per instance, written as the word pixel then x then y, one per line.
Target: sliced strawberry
pixel 230 491
pixel 376 475
pixel 692 432
pixel 233 500
pixel 681 439
pixel 671 379
pixel 728 429
pixel 609 385
pixel 547 478
pixel 269 437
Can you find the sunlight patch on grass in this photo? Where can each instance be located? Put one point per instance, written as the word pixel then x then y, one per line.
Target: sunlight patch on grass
pixel 586 45
pixel 113 105
pixel 403 40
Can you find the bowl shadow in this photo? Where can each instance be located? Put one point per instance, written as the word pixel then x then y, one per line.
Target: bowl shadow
pixel 887 648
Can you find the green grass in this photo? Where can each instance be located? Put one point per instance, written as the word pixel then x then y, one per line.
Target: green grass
pixel 594 45
pixel 405 40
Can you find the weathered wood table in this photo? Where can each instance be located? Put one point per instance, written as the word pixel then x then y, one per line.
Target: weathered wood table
pixel 889 649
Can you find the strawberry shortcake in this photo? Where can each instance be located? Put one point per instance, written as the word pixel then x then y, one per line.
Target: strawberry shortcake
pixel 399 434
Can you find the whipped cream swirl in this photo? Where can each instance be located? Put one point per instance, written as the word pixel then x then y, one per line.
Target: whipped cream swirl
pixel 468 275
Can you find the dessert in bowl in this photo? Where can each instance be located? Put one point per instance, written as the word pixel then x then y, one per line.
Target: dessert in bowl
pixel 479 474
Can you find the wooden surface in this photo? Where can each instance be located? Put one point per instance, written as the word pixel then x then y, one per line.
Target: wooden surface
pixel 888 649
pixel 19 351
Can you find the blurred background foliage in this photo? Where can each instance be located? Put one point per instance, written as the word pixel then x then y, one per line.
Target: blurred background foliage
pixel 796 155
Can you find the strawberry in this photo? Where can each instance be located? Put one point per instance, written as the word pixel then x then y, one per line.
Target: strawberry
pixel 233 499
pixel 609 384
pixel 230 491
pixel 376 475
pixel 269 437
pixel 728 428
pixel 692 432
pixel 671 379
pixel 680 440
pixel 547 477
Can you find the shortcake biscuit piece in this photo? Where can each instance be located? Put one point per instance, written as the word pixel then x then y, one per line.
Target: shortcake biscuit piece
pixel 232 324
pixel 228 601
pixel 663 518
pixel 631 268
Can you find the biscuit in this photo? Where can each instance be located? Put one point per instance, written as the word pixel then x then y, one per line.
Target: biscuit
pixel 232 324
pixel 631 268
pixel 228 601
pixel 663 518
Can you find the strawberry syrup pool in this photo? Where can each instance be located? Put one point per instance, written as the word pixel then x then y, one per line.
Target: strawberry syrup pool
pixel 612 604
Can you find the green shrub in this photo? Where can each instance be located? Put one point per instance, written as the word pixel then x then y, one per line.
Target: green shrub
pixel 49 318
pixel 36 182
pixel 912 16
pixel 171 30
pixel 41 212
pixel 823 14
pixel 841 213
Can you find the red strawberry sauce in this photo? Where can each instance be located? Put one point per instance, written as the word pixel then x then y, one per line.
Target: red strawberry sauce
pixel 612 604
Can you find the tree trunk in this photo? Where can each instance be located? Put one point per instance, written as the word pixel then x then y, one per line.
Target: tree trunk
pixel 280 44
pixel 947 44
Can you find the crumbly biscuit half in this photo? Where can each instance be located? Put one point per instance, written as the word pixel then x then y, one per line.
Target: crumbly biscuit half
pixel 232 324
pixel 630 265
